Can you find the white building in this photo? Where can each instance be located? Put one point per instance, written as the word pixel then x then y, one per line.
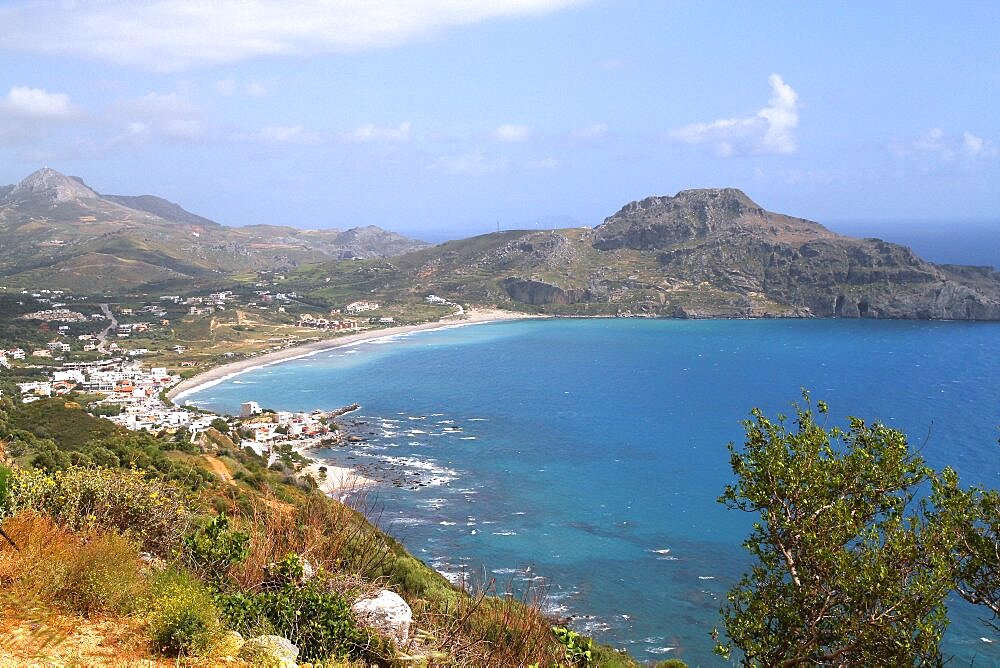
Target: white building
pixel 360 307
pixel 249 409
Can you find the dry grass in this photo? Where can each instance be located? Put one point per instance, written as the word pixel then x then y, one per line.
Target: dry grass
pixel 75 598
pixel 66 597
pixel 493 628
pixel 86 573
pixel 329 534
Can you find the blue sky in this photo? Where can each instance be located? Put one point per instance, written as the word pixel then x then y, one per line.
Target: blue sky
pixel 440 117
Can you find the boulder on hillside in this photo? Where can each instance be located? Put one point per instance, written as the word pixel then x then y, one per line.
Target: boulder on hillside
pixel 387 613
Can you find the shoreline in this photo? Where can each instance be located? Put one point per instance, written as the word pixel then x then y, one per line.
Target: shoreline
pixel 217 374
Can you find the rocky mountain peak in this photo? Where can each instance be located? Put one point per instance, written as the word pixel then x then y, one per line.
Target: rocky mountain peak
pixel 702 203
pixel 661 222
pixel 49 184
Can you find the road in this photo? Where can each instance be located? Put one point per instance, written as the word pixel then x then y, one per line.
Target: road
pixel 102 338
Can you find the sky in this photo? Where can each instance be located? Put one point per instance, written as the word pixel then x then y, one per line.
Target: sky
pixel 446 118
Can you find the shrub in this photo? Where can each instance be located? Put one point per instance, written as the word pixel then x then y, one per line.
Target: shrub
pixel 183 619
pixel 151 511
pixel 5 475
pixel 579 649
pixel 318 621
pixel 103 575
pixel 487 629
pixel 216 547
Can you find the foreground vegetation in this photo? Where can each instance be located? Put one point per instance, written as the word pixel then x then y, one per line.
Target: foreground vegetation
pixel 859 542
pixel 134 539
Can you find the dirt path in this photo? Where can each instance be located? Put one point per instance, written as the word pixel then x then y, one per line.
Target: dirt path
pixel 220 469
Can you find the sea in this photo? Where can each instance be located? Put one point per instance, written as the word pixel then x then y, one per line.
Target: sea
pixel 582 459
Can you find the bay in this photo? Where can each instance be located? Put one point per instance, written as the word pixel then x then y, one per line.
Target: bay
pixel 586 456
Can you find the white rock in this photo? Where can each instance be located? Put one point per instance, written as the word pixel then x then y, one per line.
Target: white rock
pixel 387 613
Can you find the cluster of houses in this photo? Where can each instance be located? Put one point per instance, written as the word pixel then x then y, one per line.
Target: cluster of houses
pixel 323 323
pixel 363 306
pixel 135 389
pixel 273 427
pixel 129 385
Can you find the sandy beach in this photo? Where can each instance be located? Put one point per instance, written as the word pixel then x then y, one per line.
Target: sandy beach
pixel 339 480
pixel 215 374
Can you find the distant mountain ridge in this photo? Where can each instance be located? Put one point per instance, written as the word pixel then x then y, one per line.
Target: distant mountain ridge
pixel 700 253
pixel 57 231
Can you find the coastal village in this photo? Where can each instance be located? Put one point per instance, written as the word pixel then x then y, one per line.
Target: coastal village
pixel 121 361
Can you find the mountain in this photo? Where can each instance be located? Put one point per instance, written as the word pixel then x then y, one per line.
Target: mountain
pixel 57 232
pixel 701 253
pixel 160 207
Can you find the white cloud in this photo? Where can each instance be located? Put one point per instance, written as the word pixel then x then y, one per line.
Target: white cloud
pixel 226 87
pixel 36 103
pixel 941 146
pixel 256 89
pixel 170 116
pixel 470 164
pixel 545 163
pixel 973 145
pixel 230 87
pixel 27 114
pixel 594 131
pixel 510 133
pixel 770 130
pixel 370 133
pixel 977 147
pixel 171 35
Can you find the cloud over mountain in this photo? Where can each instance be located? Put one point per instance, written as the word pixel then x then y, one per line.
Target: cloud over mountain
pixel 770 130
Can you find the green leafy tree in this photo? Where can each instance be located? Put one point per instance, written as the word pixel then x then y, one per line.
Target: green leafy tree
pixel 971 520
pixel 849 570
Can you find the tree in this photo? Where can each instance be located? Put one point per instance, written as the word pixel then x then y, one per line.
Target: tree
pixel 971 520
pixel 849 570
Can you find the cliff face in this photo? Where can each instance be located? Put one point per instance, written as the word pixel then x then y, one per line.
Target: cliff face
pixel 723 239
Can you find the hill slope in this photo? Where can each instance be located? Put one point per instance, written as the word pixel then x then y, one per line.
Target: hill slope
pixel 56 232
pixel 701 253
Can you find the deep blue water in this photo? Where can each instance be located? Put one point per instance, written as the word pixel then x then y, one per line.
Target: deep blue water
pixel 590 453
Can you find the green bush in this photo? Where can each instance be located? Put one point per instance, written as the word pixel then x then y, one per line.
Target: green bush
pixel 215 548
pixel 183 619
pixel 319 622
pixel 579 649
pixel 151 511
pixel 5 475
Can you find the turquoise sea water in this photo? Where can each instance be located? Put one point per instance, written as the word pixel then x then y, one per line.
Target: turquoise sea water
pixel 590 453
